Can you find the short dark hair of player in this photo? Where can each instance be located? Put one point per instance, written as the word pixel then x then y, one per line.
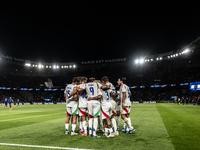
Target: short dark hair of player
pixel 76 79
pixel 123 79
pixel 83 79
pixel 105 79
pixel 91 79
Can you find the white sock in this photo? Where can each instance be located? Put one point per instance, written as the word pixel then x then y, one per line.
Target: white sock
pixel 106 131
pixel 95 126
pixel 73 127
pixel 84 123
pixel 90 125
pixel 80 123
pixel 114 124
pixel 129 119
pixel 66 126
pixel 127 122
pixel 111 131
pixel 118 121
pixel 124 124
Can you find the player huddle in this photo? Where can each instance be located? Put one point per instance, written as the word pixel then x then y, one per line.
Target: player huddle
pixel 95 100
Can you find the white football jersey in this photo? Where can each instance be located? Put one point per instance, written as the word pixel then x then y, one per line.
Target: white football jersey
pixel 72 100
pixel 92 90
pixel 111 86
pixel 125 88
pixel 82 96
pixel 106 97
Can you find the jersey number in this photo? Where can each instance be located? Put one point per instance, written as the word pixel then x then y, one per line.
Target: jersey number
pixel 107 95
pixel 92 90
pixel 68 92
pixel 84 95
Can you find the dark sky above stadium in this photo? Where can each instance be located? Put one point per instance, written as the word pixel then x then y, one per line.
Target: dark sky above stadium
pixel 57 31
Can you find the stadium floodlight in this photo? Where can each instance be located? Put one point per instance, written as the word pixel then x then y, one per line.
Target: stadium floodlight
pixel 27 64
pixel 57 67
pixel 151 59
pixel 49 66
pixel 70 66
pixel 74 66
pixel 148 60
pixel 168 56
pixel 136 61
pixel 176 54
pixel 186 51
pixel 39 66
pixel 141 60
pixel 54 67
pixel 61 66
pixel 157 58
pixel 33 65
pixel 66 66
pixel 160 58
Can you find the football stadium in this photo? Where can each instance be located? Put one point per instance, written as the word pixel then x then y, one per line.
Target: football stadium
pixel 89 99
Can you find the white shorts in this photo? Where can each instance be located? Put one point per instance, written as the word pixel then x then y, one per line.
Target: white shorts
pixel 126 110
pixel 82 111
pixel 94 109
pixel 114 106
pixel 72 110
pixel 106 111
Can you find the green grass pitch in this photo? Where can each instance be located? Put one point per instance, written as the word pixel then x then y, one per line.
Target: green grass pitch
pixel 158 127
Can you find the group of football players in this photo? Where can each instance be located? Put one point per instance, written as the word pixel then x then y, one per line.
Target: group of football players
pixel 96 103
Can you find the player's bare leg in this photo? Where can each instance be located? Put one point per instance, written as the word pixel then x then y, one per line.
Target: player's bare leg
pixel 74 125
pixel 80 125
pixel 84 123
pixel 67 123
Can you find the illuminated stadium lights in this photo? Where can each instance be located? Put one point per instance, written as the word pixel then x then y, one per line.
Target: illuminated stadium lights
pixel 57 67
pixel 40 66
pixel 54 67
pixel 151 59
pixel 49 66
pixel 157 58
pixel 27 64
pixel 74 66
pixel 176 54
pixel 61 66
pixel 160 58
pixel 136 61
pixel 141 61
pixel 70 66
pixel 186 51
pixel 168 56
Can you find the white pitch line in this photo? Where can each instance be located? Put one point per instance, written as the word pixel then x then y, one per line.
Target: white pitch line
pixel 28 117
pixel 38 146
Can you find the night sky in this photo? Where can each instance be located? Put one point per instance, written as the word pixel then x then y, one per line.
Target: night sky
pixel 56 31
